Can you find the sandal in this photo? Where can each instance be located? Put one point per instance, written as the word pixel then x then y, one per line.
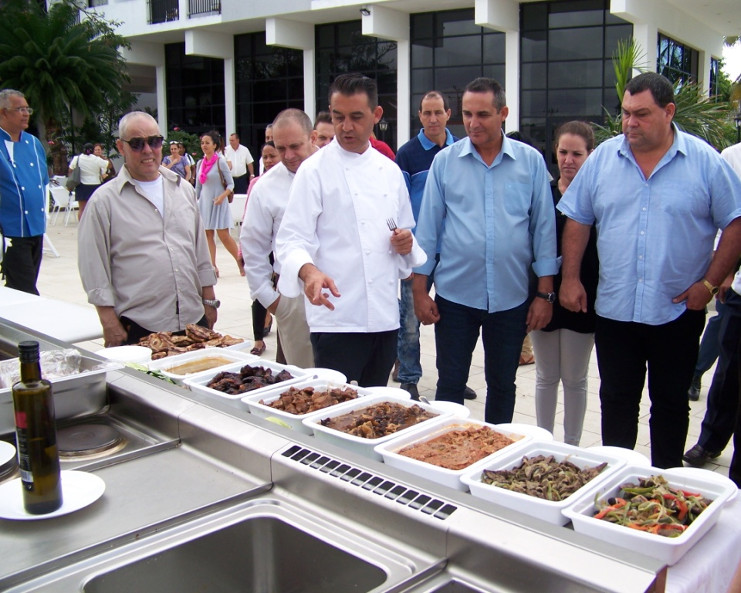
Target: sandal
pixel 268 327
pixel 258 350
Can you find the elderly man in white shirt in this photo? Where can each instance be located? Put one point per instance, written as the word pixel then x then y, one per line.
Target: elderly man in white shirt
pixel 335 238
pixel 240 161
pixel 265 207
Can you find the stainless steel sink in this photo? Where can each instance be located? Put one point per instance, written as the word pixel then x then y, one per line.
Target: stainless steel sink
pixel 263 553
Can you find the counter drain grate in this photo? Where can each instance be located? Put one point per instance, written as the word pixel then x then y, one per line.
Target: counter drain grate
pixel 413 499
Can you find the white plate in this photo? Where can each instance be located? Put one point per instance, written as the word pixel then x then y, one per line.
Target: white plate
pixel 136 354
pixel 666 549
pixel 708 476
pixel 7 453
pixel 548 510
pixel 164 364
pixel 538 434
pixel 79 489
pixel 327 374
pixel 394 392
pixel 458 410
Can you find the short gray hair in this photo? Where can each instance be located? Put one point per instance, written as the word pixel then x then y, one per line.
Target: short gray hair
pixel 126 120
pixel 5 96
pixel 294 115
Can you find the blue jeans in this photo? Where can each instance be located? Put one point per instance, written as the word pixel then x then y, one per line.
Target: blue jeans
pixel 709 345
pixel 407 347
pixel 455 338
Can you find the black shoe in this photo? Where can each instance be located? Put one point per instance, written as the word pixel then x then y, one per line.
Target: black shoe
pixel 395 372
pixel 411 388
pixel 697 456
pixel 469 393
pixel 694 392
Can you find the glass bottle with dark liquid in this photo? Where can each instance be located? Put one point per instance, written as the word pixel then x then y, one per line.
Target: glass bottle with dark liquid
pixel 36 435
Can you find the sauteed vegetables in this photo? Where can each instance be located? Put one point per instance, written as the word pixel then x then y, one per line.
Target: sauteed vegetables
pixel 653 506
pixel 543 477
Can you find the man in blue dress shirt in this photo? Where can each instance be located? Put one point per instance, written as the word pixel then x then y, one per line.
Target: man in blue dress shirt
pixel 414 159
pixel 493 195
pixel 23 181
pixel 657 197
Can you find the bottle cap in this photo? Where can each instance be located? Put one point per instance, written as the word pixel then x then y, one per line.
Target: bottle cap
pixel 28 351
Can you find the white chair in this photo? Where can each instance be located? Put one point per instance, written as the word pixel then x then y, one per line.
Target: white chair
pixel 62 200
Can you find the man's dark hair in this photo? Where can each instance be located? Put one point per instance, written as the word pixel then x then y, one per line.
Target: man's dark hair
pixel 323 117
pixel 87 148
pixel 432 94
pixel 488 85
pixel 235 135
pixel 353 83
pixel 661 88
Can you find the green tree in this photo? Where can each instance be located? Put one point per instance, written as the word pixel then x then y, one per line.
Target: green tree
pixel 63 60
pixel 705 117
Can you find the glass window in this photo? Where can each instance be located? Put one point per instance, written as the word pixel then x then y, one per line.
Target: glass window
pixel 458 50
pixel 533 76
pixel 268 80
pixel 533 46
pixel 575 74
pixel 575 44
pixel 714 73
pixel 351 51
pixel 676 61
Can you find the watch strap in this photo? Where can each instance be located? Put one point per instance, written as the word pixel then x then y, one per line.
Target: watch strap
pixel 712 288
pixel 548 296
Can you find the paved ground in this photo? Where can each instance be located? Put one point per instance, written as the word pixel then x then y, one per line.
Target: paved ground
pixel 60 279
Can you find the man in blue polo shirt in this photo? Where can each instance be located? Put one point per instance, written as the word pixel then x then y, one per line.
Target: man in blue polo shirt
pixel 23 181
pixel 657 197
pixel 487 209
pixel 414 159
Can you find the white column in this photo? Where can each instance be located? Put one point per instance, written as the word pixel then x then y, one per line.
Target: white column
pixel 152 54
pixel 220 46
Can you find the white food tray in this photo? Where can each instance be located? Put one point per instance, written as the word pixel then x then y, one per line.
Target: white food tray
pixel 666 549
pixel 199 384
pixel 358 444
pixel 231 356
pixel 435 428
pixel 547 510
pixel 295 421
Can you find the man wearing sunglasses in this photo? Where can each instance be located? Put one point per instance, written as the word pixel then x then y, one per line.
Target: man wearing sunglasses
pixel 23 181
pixel 143 257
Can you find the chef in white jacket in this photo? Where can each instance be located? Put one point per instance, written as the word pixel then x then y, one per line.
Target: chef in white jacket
pixel 335 242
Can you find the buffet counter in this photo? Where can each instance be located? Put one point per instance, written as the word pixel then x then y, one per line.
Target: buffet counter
pixel 210 478
pixel 64 321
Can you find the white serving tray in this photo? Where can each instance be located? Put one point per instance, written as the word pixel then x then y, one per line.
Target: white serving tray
pixel 199 384
pixel 358 444
pixel 547 510
pixel 168 362
pixel 295 421
pixel 666 549
pixel 435 428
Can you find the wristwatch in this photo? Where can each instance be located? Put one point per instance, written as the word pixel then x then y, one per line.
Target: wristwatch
pixel 713 289
pixel 215 303
pixel 548 296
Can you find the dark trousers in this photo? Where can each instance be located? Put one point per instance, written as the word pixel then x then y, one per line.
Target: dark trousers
pixel 240 184
pixel 624 351
pixel 720 416
pixel 22 262
pixel 259 313
pixel 502 334
pixel 365 358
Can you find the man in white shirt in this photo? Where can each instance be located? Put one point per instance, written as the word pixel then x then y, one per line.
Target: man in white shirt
pixel 335 240
pixel 265 208
pixel 323 130
pixel 240 160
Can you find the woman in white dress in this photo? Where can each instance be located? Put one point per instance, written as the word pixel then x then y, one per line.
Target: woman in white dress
pixel 214 185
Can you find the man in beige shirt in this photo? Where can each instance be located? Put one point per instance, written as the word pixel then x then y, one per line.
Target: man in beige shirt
pixel 143 257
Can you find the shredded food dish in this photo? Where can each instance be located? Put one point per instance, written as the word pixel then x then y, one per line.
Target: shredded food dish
pixel 379 420
pixel 307 399
pixel 653 506
pixel 543 477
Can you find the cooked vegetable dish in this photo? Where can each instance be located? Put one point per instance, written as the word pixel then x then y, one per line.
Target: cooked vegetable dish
pixel 652 505
pixel 378 420
pixel 543 477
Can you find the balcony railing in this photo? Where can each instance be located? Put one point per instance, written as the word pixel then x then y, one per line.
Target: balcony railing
pixel 163 11
pixel 197 7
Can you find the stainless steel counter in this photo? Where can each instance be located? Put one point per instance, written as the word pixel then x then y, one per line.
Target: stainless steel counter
pixel 245 501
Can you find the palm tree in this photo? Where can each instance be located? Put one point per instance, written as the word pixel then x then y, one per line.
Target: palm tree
pixel 696 113
pixel 60 61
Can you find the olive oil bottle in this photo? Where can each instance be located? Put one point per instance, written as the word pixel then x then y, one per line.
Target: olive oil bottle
pixel 36 435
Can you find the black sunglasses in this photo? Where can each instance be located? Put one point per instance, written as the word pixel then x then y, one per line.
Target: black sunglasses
pixel 137 144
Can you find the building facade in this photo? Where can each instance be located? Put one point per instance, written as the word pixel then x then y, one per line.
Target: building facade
pixel 233 65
